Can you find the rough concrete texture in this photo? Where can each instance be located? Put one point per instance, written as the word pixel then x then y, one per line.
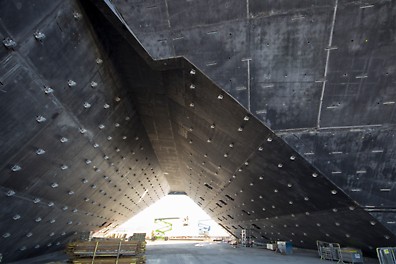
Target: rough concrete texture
pixel 93 130
pixel 215 253
pixel 172 252
pixel 321 74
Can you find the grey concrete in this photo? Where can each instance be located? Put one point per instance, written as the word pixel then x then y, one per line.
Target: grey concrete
pixel 320 74
pixel 208 253
pixel 59 257
pixel 204 252
pixel 94 130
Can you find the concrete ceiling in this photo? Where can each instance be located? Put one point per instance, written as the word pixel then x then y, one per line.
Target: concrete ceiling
pixel 320 74
pixel 95 130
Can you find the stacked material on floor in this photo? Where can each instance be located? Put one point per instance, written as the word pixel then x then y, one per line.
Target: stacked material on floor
pixel 351 255
pixel 272 246
pixel 138 237
pixel 334 252
pixel 124 260
pixel 285 247
pixel 108 251
pixel 329 251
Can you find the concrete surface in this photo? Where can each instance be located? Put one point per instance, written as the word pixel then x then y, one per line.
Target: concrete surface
pixel 193 252
pixel 334 106
pixel 59 257
pixel 215 253
pixel 310 157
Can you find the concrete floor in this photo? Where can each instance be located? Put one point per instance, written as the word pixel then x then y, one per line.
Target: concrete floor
pixel 173 252
pixel 222 253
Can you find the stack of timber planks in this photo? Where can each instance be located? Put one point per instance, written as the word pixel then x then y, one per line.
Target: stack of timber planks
pixel 107 251
pixel 138 237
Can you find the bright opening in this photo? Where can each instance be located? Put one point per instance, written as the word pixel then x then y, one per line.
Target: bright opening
pixel 172 217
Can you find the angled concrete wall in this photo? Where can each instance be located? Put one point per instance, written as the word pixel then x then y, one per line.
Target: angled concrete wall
pixel 94 129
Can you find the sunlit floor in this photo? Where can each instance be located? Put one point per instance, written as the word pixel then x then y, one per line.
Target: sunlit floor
pixel 218 253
